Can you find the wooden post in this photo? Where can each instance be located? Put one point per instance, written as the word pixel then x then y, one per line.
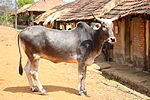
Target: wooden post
pixel 73 25
pixel 149 46
pixel 32 19
pixel 147 36
pixel 56 25
pixel 63 27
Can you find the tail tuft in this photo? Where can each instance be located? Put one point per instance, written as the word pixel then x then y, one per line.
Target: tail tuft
pixel 20 68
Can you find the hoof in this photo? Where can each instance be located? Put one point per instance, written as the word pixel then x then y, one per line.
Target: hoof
pixel 83 93
pixel 33 89
pixel 43 92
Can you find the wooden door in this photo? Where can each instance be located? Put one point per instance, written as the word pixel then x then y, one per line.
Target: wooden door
pixel 128 40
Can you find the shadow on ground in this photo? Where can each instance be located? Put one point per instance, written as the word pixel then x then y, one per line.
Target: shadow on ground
pixel 49 88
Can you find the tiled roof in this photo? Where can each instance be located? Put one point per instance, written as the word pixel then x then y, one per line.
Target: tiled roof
pixel 44 5
pixel 41 5
pixel 129 7
pixel 68 6
pixel 78 10
pixel 83 10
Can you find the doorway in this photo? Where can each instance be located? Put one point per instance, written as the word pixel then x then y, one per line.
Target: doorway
pixel 128 40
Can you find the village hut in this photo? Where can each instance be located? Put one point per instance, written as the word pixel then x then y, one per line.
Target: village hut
pixel 132 30
pixel 28 12
pixel 69 14
pixel 53 14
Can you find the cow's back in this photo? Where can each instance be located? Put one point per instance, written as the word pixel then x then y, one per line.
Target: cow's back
pixel 55 45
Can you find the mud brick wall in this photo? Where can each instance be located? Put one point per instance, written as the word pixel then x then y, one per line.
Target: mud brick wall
pixel 138 41
pixel 119 49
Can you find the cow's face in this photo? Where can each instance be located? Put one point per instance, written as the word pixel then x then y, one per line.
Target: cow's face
pixel 105 27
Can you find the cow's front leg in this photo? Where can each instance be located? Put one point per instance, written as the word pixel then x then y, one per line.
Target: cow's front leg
pixel 82 76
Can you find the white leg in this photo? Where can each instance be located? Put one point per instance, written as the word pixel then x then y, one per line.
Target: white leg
pixel 82 76
pixel 82 82
pixel 28 74
pixel 34 73
pixel 38 83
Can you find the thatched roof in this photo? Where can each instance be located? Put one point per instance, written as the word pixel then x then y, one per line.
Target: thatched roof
pixel 40 6
pixel 24 8
pixel 83 10
pixel 78 10
pixel 44 5
pixel 43 16
pixel 111 4
pixel 129 7
pixel 54 16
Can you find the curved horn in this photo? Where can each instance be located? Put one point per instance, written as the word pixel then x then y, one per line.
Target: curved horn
pixel 97 18
pixel 115 18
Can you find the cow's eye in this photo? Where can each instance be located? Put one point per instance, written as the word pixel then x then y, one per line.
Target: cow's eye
pixel 104 28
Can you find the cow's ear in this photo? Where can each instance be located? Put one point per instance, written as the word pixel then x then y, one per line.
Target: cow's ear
pixel 97 26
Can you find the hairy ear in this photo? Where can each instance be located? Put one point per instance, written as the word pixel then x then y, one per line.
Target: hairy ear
pixel 97 26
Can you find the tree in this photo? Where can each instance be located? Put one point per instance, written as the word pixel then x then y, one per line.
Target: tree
pixel 21 3
pixel 5 11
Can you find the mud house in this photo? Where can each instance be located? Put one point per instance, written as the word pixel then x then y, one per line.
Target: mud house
pixel 132 30
pixel 69 14
pixel 27 13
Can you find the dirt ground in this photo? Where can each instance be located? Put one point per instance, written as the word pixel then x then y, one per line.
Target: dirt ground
pixel 60 80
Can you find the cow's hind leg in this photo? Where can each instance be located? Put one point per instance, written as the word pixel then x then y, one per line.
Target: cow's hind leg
pixel 27 69
pixel 34 73
pixel 82 76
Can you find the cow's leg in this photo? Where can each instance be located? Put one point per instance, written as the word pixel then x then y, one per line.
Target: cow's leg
pixel 27 69
pixel 83 83
pixel 82 76
pixel 34 73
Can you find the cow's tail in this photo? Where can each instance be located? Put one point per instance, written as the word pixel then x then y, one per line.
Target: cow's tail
pixel 20 61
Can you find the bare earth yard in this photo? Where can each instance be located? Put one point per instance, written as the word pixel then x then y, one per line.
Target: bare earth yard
pixel 60 80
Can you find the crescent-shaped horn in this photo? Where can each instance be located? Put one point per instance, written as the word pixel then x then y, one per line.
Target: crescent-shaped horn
pixel 97 18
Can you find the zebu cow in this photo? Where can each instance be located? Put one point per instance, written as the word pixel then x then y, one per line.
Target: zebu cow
pixel 80 45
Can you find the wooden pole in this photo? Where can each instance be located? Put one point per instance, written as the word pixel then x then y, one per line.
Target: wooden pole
pixel 32 19
pixel 147 45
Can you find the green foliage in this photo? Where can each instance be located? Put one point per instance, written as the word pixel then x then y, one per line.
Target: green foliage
pixel 10 19
pixel 3 19
pixel 21 3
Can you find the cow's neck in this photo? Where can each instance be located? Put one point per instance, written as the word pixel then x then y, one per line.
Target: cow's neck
pixel 98 42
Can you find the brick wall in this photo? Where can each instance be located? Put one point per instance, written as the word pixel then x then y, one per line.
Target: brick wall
pixel 138 41
pixel 119 49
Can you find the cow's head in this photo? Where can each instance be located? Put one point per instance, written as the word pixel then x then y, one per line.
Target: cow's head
pixel 105 27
